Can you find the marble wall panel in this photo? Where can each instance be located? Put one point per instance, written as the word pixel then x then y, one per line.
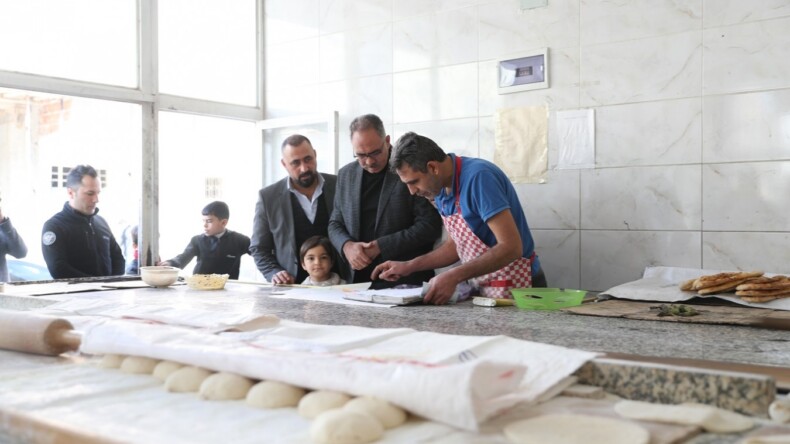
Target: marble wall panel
pixel 769 252
pixel 356 53
pixel 749 57
pixel 354 97
pixel 437 39
pixel 505 29
pixel 746 196
pixel 746 127
pixel 288 20
pixel 610 258
pixel 605 22
pixel 730 12
pixel 341 15
pixel 559 256
pixel 652 133
pixel 448 92
pixel 554 204
pixel 410 8
pixel 292 64
pixel 294 101
pixel 459 136
pixel 666 67
pixel 563 91
pixel 641 198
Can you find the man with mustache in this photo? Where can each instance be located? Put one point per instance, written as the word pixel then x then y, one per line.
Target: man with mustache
pixel 290 211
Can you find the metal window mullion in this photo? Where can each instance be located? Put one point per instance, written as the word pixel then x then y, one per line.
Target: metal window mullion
pixel 148 69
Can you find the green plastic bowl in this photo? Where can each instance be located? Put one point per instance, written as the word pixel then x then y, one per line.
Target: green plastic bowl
pixel 547 298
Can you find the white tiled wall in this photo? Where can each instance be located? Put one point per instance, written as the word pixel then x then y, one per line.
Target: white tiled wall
pixel 691 97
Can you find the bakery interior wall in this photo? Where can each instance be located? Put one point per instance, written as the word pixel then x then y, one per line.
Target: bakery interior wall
pixel 691 99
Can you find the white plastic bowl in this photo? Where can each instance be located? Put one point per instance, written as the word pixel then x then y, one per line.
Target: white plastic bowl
pixel 158 276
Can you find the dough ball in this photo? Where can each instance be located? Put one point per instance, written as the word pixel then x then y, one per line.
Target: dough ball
pixel 388 415
pixel 779 410
pixel 340 426
pixel 186 379
pixel 572 429
pixel 274 395
pixel 224 386
pixel 319 401
pixel 164 368
pixel 111 361
pixel 139 365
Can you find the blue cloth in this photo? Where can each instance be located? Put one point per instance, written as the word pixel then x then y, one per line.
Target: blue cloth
pixel 485 192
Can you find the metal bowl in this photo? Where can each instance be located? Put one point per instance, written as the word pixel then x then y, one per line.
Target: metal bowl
pixel 159 276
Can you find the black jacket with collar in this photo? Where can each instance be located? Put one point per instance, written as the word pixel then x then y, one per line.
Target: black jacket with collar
pixel 76 245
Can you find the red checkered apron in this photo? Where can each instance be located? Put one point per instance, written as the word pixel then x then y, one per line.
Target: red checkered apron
pixel 469 246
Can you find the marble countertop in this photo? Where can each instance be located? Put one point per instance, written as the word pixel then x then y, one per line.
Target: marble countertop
pixel 738 344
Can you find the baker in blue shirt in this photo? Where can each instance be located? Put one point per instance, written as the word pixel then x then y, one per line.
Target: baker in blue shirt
pixel 487 228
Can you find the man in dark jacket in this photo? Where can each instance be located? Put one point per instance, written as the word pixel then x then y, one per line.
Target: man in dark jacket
pixel 10 243
pixel 77 242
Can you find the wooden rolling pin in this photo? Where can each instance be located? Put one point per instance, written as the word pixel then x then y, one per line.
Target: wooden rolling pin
pixel 33 333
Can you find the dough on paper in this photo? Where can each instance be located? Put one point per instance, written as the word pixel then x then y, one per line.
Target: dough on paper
pixel 340 426
pixel 164 368
pixel 768 439
pixel 224 386
pixel 139 365
pixel 779 410
pixel 319 401
pixel 710 418
pixel 388 415
pixel 274 395
pixel 186 379
pixel 111 361
pixel 575 429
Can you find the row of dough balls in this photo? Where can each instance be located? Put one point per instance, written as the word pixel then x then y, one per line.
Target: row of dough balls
pixel 337 417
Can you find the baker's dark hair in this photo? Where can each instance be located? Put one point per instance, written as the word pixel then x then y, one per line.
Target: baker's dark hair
pixel 367 121
pixel 74 179
pixel 295 140
pixel 415 151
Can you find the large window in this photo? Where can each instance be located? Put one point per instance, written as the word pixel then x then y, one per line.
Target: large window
pixel 98 82
pixel 42 136
pixel 90 40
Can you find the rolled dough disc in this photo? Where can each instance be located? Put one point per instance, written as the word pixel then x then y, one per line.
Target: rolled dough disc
pixel 575 429
pixel 111 361
pixel 139 365
pixel 710 418
pixel 164 368
pixel 388 415
pixel 186 379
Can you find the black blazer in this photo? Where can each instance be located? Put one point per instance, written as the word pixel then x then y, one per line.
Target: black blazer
pixel 406 226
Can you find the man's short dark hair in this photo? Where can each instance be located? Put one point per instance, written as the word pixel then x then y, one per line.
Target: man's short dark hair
pixel 74 179
pixel 217 208
pixel 415 151
pixel 313 242
pixel 295 140
pixel 365 122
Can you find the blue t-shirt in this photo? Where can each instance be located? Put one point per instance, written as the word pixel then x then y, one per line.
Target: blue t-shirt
pixel 485 192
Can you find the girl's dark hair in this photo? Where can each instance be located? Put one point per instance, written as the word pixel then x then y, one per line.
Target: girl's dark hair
pixel 316 241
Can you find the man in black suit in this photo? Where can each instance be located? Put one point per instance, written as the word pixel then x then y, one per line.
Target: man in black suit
pixel 375 218
pixel 290 211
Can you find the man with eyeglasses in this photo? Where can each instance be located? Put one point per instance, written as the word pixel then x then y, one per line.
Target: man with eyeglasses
pixel 375 218
pixel 290 211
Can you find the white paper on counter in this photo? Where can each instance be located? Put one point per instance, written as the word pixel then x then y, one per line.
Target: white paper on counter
pixel 662 284
pixel 327 294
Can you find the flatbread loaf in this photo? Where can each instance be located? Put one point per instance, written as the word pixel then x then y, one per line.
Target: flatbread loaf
pixel 766 283
pixel 688 285
pixel 717 280
pixel 759 299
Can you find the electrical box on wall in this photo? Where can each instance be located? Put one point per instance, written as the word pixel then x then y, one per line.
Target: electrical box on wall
pixel 524 72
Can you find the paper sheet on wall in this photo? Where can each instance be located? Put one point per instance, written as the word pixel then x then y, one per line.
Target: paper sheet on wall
pixel 576 135
pixel 521 143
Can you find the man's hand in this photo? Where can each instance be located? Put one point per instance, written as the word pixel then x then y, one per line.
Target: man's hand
pixel 356 255
pixel 390 271
pixel 164 264
pixel 372 249
pixel 282 278
pixel 441 290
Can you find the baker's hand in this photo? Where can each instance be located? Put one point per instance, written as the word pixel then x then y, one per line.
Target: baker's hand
pixel 390 271
pixel 355 254
pixel 164 264
pixel 282 278
pixel 441 290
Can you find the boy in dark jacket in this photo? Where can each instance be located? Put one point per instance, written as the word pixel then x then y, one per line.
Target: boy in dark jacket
pixel 218 249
